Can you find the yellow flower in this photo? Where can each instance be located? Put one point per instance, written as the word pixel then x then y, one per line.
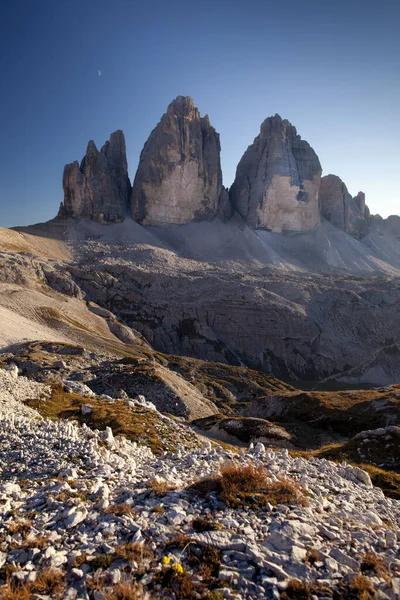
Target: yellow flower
pixel 177 568
pixel 166 560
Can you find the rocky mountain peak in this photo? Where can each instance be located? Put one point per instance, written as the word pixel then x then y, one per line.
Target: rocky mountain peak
pixel 179 177
pixel 277 180
pixel 339 208
pixel 98 188
pixel 184 106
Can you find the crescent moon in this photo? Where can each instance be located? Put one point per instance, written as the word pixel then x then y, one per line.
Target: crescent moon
pixel 99 73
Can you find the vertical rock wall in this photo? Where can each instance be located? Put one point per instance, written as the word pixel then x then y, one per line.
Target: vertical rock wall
pixel 277 180
pixel 98 188
pixel 179 177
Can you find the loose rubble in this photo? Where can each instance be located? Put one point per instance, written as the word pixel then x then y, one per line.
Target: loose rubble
pixel 82 502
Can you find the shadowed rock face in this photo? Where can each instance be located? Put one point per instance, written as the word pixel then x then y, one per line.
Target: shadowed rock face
pixel 339 208
pixel 98 188
pixel 179 177
pixel 277 180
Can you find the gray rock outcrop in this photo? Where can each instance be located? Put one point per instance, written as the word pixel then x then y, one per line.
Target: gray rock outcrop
pixel 339 208
pixel 98 188
pixel 277 180
pixel 179 177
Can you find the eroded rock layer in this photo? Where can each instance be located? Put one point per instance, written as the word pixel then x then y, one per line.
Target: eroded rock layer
pixel 179 177
pixel 98 188
pixel 277 180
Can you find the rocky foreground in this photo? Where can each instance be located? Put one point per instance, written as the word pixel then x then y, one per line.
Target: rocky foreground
pixel 85 514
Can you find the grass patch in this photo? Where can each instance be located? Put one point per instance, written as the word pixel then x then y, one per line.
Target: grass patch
pixel 241 485
pixel 119 510
pixel 125 591
pixel 160 487
pixel 134 551
pixel 200 524
pixel 139 425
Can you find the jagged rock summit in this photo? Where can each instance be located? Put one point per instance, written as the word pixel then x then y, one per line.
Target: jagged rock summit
pixel 277 180
pixel 278 185
pixel 98 188
pixel 339 208
pixel 179 177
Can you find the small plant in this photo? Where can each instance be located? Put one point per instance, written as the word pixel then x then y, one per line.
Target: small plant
pixel 120 509
pixel 312 557
pixel 239 485
pixel 200 524
pixel 101 561
pixel 161 488
pixel 360 588
pixel 21 526
pixel 80 560
pixel 175 579
pixel 15 591
pixel 125 591
pixel 96 582
pixel 49 582
pixel 296 590
pixel 371 564
pixel 160 510
pixel 179 541
pixel 134 551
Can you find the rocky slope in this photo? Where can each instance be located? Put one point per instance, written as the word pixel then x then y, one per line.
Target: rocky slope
pixel 179 177
pixel 86 514
pixel 277 180
pixel 98 188
pixel 311 306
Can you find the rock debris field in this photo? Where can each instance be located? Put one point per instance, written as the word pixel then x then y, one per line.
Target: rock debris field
pixel 86 515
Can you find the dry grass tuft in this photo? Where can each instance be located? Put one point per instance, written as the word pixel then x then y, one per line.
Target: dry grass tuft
pixel 159 510
pixel 240 485
pixel 119 510
pixel 312 557
pixel 180 584
pixel 125 591
pixel 31 541
pixel 21 526
pixel 179 541
pixel 160 488
pixel 50 582
pixel 296 590
pixel 15 591
pixel 360 588
pixel 372 564
pixel 200 524
pixel 134 551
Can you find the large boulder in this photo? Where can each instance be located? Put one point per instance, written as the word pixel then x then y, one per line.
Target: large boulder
pixel 341 209
pixel 99 187
pixel 277 180
pixel 179 177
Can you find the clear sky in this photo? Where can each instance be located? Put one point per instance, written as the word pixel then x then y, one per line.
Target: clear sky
pixel 332 67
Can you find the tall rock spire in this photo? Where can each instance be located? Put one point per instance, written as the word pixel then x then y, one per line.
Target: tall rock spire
pixel 277 180
pixel 179 177
pixel 98 188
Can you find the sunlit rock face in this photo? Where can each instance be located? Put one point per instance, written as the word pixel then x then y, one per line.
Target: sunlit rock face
pixel 277 180
pixel 98 188
pixel 179 177
pixel 341 209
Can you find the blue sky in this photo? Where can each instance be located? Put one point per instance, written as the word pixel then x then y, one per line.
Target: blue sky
pixel 331 68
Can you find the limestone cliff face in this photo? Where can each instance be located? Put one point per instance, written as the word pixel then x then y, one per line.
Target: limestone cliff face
pixel 98 188
pixel 277 180
pixel 179 177
pixel 339 208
